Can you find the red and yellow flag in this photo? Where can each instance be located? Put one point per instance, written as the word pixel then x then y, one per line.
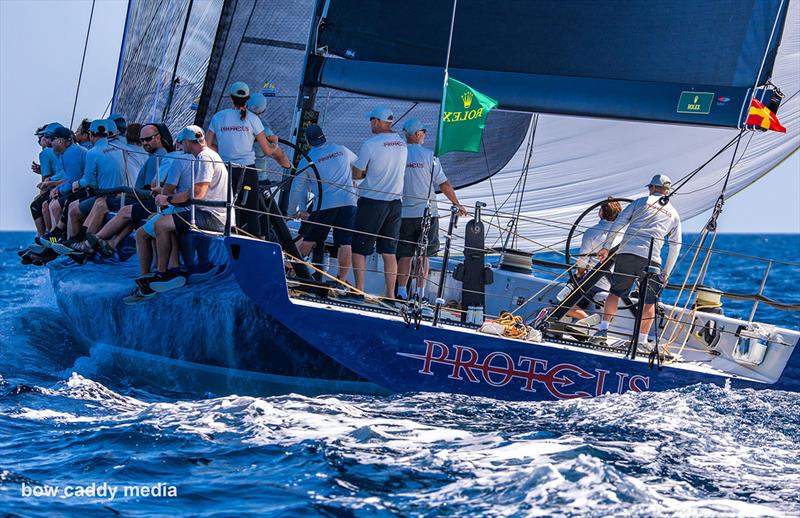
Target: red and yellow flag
pixel 763 118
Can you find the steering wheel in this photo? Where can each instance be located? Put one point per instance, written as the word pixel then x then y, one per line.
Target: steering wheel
pixel 277 173
pixel 568 257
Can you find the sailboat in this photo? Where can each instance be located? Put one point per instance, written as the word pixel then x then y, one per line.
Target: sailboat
pixel 595 97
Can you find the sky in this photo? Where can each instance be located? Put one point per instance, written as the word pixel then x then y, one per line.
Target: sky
pixel 41 43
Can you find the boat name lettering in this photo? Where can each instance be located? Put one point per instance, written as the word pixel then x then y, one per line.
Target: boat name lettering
pixel 498 369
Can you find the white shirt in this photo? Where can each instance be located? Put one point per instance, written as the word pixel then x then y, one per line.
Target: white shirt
pixel 234 136
pixel 383 157
pixel 209 168
pixel 179 172
pixel 646 218
pixel 591 243
pixel 417 187
pixel 333 164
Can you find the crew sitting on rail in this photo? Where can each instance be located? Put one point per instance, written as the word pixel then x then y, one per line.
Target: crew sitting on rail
pixel 646 219
pixel 231 133
pixel 71 163
pixel 105 169
pixel 82 134
pixel 423 175
pixel 338 209
pixel 46 168
pixel 210 184
pixel 381 163
pixel 593 239
pixel 157 142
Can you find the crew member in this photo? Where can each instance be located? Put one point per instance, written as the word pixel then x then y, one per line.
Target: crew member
pixel 231 133
pixel 646 219
pixel 381 163
pixel 423 175
pixel 338 209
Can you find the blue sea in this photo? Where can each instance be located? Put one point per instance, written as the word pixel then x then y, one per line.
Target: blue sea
pixel 80 439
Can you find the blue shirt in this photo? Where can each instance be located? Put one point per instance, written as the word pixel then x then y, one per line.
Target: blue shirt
pixel 148 170
pixel 71 165
pixel 48 160
pixel 105 168
pixel 87 144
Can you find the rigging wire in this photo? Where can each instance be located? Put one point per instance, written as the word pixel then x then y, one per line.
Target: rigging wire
pixel 83 61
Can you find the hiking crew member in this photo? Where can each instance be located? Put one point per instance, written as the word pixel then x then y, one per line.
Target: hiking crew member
pixel 71 163
pixel 645 219
pixel 417 191
pixel 48 163
pixel 338 210
pixel 211 183
pixel 231 133
pixel 381 163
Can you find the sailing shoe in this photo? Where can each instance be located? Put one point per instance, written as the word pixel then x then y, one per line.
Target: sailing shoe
pixel 64 246
pixel 590 321
pixel 138 294
pixel 167 281
pixel 99 245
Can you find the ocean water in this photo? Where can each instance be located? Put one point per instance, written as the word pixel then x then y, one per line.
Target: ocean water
pixel 79 439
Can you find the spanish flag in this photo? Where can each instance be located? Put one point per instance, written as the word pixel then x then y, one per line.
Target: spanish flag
pixel 761 117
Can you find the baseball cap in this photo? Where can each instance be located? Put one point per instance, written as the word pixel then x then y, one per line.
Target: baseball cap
pixel 48 130
pixel 102 126
pixel 314 135
pixel 193 133
pixel 412 126
pixel 257 104
pixel 660 180
pixel 119 121
pixel 62 132
pixel 240 89
pixel 383 113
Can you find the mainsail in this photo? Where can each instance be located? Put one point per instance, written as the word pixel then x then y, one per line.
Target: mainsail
pixel 568 162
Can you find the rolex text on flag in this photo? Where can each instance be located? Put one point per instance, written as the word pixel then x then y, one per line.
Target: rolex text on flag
pixel 462 118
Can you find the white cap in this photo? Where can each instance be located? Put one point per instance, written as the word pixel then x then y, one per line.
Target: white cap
pixel 382 113
pixel 660 180
pixel 257 104
pixel 412 126
pixel 240 89
pixel 193 133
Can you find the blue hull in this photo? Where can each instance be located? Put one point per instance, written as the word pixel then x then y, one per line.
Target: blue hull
pixel 382 349
pixel 208 337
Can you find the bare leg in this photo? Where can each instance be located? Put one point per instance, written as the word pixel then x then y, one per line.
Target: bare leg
pixel 165 228
pixel 44 222
pixel 359 265
pixel 403 271
pixel 390 273
pixel 305 247
pixel 55 213
pixel 119 236
pixel 648 315
pixel 94 221
pixel 75 219
pixel 143 251
pixel 344 257
pixel 174 257
pixel 117 224
pixel 610 307
pixel 577 313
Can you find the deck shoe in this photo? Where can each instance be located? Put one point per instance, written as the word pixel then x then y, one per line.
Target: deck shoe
pixel 167 281
pixel 202 273
pixel 590 321
pixel 600 337
pixel 99 245
pixel 64 246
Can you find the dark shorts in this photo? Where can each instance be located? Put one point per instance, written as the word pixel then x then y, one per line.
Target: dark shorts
pixel 141 210
pixel 36 205
pixel 114 202
pixel 411 233
pixel 627 269
pixel 86 205
pixel 377 220
pixel 202 219
pixel 342 219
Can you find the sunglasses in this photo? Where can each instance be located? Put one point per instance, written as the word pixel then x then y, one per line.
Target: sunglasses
pixel 148 139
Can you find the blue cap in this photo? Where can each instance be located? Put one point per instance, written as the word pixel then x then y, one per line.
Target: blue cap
pixel 179 137
pixel 48 130
pixel 314 135
pixel 383 113
pixel 257 104
pixel 193 133
pixel 62 132
pixel 119 121
pixel 103 126
pixel 240 89
pixel 412 126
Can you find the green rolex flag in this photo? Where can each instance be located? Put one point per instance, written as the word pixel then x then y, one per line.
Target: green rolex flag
pixel 462 118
